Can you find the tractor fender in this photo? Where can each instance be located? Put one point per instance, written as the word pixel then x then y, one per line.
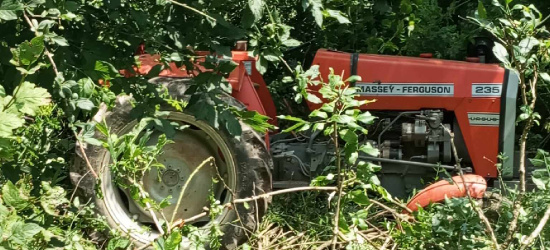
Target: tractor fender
pixel 440 190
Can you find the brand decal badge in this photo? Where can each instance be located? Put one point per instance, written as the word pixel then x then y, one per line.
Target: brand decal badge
pixel 406 89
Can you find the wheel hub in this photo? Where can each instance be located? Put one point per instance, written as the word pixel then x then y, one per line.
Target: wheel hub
pixel 170 178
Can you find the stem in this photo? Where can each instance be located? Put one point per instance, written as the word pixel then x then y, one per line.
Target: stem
pixel 488 228
pixel 12 100
pixel 286 64
pixel 143 194
pixel 185 187
pixel 522 151
pixel 527 241
pixel 283 191
pixel 88 164
pixel 336 229
pixel 192 9
pixel 46 51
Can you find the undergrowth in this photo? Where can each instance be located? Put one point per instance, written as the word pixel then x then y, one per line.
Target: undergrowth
pixel 59 62
pixel 38 208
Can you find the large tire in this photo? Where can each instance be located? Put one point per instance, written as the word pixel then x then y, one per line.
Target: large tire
pixel 251 163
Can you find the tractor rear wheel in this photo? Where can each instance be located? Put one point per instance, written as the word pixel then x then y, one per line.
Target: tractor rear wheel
pixel 243 163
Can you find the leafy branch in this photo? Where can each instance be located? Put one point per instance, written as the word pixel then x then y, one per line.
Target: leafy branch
pixel 339 118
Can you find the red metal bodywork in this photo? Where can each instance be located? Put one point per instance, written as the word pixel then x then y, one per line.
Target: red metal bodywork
pixel 481 141
pixel 248 86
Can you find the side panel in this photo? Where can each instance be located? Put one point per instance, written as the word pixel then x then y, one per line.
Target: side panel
pixel 402 83
pixel 249 86
pixel 508 122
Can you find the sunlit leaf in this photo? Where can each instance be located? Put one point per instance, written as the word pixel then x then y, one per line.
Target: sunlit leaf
pixel 29 98
pixel 501 53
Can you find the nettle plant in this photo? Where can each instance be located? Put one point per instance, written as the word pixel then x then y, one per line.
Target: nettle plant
pixel 340 118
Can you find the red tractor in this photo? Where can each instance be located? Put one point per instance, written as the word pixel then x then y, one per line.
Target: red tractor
pixel 420 101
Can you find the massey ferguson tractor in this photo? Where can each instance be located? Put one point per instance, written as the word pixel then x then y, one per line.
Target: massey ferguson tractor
pixel 420 102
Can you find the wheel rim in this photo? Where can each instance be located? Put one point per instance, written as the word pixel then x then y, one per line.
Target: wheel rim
pixel 191 147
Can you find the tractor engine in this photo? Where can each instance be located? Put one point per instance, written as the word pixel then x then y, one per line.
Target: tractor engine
pixel 426 139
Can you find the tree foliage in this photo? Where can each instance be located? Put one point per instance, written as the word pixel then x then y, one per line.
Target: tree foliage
pixel 61 60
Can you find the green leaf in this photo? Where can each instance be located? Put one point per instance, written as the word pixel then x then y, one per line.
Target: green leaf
pixel 256 6
pixel 102 128
pixel 405 7
pixel 59 40
pixel 318 126
pixel 28 52
pixel 155 71
pixel 85 104
pixel 313 98
pixel 29 98
pixel 118 244
pixel 9 122
pixel 22 233
pixel 338 15
pixel 105 69
pixel 359 197
pixel 354 78
pixel 173 241
pixel 232 124
pixel 501 53
pixel 545 76
pixel 343 224
pixel 9 8
pixel 52 198
pixel 366 118
pixel 291 118
pixel 176 57
pixel 270 56
pixel 481 11
pixel 527 44
pixel 539 183
pixel 46 24
pixel 2 91
pixel 523 117
pixel 343 119
pixel 369 149
pixel 93 141
pixel 255 120
pixel 261 65
pixel 349 136
pixel 86 86
pixel 294 127
pixel 14 197
pixel 291 43
pixel 317 13
pixel 226 68
pixel 318 113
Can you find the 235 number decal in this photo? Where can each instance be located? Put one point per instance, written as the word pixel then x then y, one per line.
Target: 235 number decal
pixel 486 90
